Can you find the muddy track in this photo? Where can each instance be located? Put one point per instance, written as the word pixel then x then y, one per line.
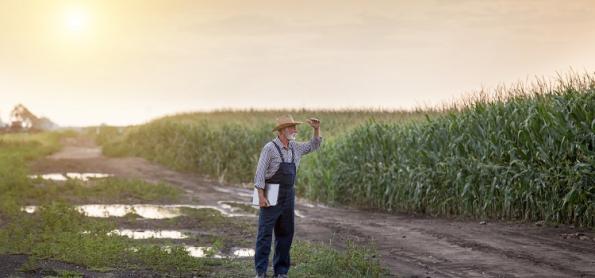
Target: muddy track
pixel 407 245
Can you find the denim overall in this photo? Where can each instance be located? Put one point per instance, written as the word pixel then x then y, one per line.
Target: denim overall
pixel 280 217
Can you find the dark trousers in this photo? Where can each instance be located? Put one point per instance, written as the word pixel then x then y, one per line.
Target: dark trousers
pixel 277 219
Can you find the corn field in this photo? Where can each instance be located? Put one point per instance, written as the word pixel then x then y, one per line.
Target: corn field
pixel 524 153
pixel 225 145
pixel 526 156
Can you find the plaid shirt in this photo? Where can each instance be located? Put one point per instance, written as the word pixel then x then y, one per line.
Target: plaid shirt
pixel 269 160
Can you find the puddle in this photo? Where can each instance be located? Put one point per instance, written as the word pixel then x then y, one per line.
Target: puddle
pixel 54 177
pixel 235 206
pixel 159 211
pixel 194 251
pixel 147 234
pixel 87 176
pixel 144 210
pixel 239 192
pixel 70 175
pixel 201 252
pixel 244 194
pixel 221 189
pixel 242 252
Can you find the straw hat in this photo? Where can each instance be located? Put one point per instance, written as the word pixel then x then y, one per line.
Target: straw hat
pixel 285 121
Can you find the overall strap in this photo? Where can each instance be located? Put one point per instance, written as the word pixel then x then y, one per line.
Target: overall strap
pixel 280 153
pixel 279 149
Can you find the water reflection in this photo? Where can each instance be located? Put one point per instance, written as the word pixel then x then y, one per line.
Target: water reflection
pixel 235 206
pixel 201 252
pixel 146 234
pixel 54 177
pixel 194 251
pixel 70 175
pixel 239 191
pixel 242 252
pixel 87 176
pixel 144 210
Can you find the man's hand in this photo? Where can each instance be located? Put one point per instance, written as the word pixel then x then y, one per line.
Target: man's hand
pixel 314 123
pixel 262 199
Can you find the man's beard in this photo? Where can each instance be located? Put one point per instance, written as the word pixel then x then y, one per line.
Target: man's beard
pixel 290 136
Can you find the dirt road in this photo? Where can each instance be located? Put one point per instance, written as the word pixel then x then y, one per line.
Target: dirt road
pixel 408 245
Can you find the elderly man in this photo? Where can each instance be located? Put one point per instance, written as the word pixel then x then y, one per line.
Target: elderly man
pixel 278 164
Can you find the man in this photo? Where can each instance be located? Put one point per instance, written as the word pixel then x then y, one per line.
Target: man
pixel 278 164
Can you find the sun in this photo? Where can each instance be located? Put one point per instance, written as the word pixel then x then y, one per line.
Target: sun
pixel 76 19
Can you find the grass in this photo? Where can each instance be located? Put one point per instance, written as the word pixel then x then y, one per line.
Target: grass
pixel 60 232
pixel 15 151
pixel 104 190
pixel 17 189
pixel 320 260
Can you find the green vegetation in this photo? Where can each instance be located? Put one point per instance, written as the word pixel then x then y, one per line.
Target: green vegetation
pixel 17 189
pixel 57 231
pixel 60 232
pixel 526 153
pixel 225 144
pixel 104 190
pixel 15 151
pixel 320 260
pixel 528 156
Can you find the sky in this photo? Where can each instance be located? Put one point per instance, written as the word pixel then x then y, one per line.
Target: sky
pixel 127 62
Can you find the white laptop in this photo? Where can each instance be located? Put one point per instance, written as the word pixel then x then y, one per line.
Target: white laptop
pixel 272 192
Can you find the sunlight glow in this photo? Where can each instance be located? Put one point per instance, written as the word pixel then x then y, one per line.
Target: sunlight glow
pixel 76 19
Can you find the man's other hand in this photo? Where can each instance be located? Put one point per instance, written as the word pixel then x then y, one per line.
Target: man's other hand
pixel 262 200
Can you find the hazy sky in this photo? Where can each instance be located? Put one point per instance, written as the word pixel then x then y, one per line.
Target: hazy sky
pixel 123 62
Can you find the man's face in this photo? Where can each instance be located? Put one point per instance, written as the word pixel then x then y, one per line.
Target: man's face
pixel 290 132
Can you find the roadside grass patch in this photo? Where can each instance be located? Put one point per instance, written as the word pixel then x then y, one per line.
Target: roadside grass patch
pixel 58 231
pixel 321 260
pixel 104 190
